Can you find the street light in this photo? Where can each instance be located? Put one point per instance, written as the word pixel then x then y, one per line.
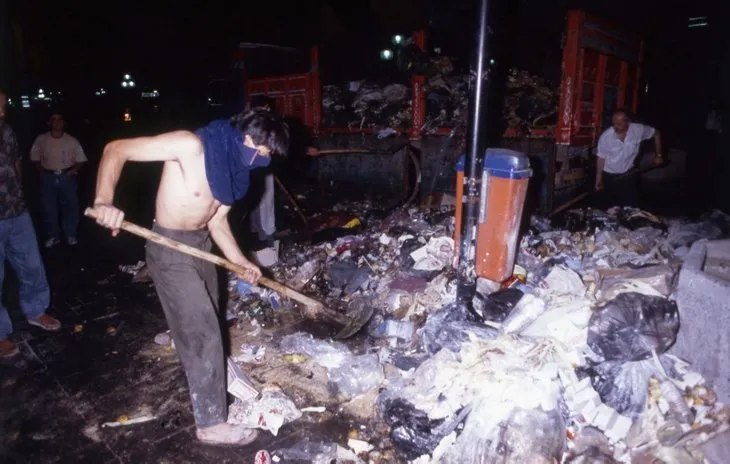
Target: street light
pixel 386 54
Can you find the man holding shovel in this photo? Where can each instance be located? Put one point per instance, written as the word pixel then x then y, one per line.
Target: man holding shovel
pixel 204 173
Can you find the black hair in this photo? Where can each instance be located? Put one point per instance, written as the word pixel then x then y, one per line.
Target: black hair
pixel 265 128
pixel 262 101
pixel 624 111
pixel 55 110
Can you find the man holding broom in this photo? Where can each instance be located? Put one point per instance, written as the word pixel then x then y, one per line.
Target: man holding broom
pixel 204 173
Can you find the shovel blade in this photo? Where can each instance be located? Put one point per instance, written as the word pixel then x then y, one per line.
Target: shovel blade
pixel 358 318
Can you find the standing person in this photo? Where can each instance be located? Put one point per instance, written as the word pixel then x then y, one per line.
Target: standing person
pixel 204 173
pixel 18 244
pixel 262 219
pixel 59 157
pixel 618 147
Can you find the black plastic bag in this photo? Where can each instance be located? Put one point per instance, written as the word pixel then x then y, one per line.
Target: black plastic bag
pixel 623 385
pixel 632 325
pixel 496 306
pixel 410 429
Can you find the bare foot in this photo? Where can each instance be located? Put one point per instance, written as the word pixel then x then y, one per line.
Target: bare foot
pixel 227 434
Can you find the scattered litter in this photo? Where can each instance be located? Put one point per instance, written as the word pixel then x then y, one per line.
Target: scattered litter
pixel 269 412
pixel 314 409
pixel 566 361
pixel 239 385
pixel 124 420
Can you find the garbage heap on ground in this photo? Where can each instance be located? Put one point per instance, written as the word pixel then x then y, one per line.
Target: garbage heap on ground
pixel 566 362
pixel 530 102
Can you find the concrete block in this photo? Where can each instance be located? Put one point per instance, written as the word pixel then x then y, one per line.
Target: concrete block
pixel 703 299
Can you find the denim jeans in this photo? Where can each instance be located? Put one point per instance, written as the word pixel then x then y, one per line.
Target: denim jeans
pixel 60 190
pixel 18 244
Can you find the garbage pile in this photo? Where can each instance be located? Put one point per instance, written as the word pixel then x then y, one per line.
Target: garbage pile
pixel 565 362
pixel 530 103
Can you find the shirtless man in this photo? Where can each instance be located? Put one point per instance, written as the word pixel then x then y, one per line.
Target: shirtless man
pixel 204 174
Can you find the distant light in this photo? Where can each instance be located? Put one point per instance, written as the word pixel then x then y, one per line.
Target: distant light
pixel 127 77
pixel 98 94
pixel 127 117
pixel 40 91
pixel 491 61
pixel 697 21
pixel 10 101
pixel 397 39
pixel 386 54
pixel 125 84
pixel 131 83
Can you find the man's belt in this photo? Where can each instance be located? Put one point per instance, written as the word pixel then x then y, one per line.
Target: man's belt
pixel 57 172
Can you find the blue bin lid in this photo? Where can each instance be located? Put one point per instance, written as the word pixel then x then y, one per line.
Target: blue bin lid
pixel 505 163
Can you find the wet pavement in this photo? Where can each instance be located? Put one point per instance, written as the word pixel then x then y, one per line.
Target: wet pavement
pixel 103 364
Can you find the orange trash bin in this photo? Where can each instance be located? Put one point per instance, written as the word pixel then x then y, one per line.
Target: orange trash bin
pixel 505 177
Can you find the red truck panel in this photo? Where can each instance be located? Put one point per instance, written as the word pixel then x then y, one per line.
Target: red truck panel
pixel 292 94
pixel 601 68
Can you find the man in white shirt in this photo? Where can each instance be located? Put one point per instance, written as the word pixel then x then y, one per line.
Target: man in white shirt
pixel 58 157
pixel 618 147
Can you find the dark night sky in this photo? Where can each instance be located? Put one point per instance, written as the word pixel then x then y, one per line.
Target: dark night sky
pixel 162 42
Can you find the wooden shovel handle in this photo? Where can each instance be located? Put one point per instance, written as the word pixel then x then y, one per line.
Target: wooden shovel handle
pixel 211 258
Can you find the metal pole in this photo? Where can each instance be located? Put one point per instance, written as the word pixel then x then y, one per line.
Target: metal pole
pixel 475 148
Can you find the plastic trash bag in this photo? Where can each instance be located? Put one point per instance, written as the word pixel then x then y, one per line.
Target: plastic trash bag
pixel 522 436
pixel 450 328
pixel 623 385
pixel 658 278
pixel 631 326
pixel 410 429
pixel 358 375
pixel 498 305
pixel 310 451
pixel 326 354
pixel 529 308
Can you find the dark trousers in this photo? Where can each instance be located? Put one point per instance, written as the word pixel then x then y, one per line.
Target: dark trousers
pixel 188 291
pixel 619 191
pixel 60 191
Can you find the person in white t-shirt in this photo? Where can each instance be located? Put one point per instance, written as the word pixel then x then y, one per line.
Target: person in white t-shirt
pixel 617 150
pixel 58 157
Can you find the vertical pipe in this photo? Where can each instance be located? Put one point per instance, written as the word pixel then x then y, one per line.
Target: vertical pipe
pixel 475 148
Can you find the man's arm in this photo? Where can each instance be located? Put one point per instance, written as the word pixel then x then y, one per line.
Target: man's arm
pixel 79 159
pixel 658 153
pixel 172 146
pixel 220 232
pixel 35 154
